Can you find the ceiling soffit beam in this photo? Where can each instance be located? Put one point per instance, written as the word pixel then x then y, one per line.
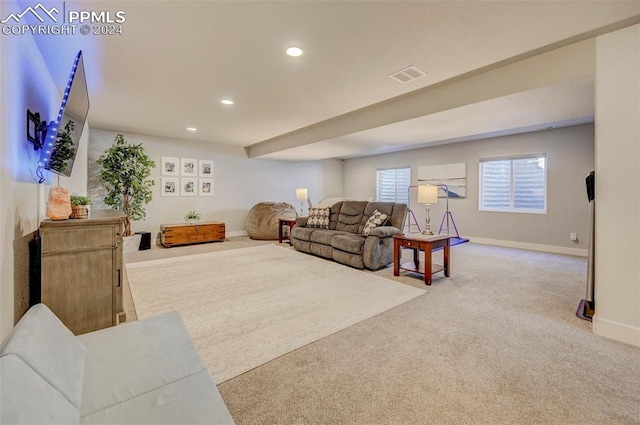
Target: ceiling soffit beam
pixel 555 66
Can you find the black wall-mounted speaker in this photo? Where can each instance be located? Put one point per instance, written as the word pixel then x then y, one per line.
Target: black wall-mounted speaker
pixel 145 240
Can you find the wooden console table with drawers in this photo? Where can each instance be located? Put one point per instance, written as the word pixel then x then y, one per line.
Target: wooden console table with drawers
pixel 187 234
pixel 81 270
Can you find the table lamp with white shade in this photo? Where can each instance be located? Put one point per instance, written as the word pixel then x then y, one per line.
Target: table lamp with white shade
pixel 427 195
pixel 301 195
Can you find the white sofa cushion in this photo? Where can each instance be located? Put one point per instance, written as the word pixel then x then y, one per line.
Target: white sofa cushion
pixel 192 400
pixel 42 342
pixel 138 360
pixel 26 398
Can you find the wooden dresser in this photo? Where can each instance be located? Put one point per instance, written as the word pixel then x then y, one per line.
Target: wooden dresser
pixel 187 234
pixel 81 270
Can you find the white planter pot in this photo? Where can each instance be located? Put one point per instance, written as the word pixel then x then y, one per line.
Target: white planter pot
pixel 131 243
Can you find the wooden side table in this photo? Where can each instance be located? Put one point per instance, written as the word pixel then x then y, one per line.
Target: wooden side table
pixel 291 222
pixel 419 242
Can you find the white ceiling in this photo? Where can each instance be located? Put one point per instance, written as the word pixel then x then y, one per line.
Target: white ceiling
pixel 177 59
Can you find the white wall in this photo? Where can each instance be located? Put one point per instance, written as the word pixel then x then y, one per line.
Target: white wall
pixel 6 293
pixel 617 263
pixel 570 156
pixel 239 184
pixel 26 84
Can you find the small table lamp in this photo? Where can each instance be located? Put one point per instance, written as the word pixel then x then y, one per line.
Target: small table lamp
pixel 301 195
pixel 427 195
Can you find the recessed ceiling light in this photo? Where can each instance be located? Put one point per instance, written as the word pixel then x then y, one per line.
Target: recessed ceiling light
pixel 227 102
pixel 193 129
pixel 294 51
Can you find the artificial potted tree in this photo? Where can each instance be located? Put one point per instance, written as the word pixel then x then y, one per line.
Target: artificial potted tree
pixel 125 171
pixel 80 206
pixel 63 149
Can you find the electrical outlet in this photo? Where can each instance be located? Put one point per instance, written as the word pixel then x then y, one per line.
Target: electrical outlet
pixel 573 236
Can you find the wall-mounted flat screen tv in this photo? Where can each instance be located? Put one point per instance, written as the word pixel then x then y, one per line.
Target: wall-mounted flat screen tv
pixel 63 135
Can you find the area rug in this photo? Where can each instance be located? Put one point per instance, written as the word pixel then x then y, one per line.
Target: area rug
pixel 245 307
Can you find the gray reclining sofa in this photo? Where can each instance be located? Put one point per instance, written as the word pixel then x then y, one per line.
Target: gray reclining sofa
pixel 343 241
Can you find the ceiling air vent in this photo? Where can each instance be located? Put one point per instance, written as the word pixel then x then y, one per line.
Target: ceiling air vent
pixel 408 74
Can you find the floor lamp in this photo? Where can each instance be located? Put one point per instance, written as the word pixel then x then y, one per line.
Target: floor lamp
pixel 301 194
pixel 427 195
pixel 448 216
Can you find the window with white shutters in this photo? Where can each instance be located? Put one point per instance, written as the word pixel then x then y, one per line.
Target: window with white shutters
pixel 514 184
pixel 393 185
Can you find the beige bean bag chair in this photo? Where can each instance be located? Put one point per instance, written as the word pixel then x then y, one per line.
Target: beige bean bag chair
pixel 262 221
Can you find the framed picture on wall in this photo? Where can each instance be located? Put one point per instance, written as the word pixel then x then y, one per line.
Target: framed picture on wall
pixel 453 176
pixel 188 186
pixel 170 166
pixel 206 168
pixel 205 187
pixel 169 186
pixel 189 167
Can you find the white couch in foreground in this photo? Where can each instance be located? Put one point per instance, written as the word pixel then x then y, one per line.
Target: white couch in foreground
pixel 144 372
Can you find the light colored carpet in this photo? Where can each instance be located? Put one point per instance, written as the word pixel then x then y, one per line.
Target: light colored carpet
pixel 245 307
pixel 496 343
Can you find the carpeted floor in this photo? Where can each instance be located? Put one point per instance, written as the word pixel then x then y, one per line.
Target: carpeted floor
pixel 496 343
pixel 158 252
pixel 245 307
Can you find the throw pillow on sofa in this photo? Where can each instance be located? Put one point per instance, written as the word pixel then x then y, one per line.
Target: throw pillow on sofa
pixel 319 217
pixel 376 219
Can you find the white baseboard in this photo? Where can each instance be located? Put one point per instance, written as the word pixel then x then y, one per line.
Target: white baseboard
pixel 618 331
pixel 530 246
pixel 236 233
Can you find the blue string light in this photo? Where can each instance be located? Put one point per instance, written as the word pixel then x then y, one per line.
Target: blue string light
pixel 45 156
